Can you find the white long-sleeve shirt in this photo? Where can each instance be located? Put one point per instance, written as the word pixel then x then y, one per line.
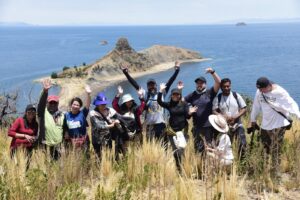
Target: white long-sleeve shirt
pixel 280 100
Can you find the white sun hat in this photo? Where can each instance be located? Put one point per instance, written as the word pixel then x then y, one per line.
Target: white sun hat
pixel 219 123
pixel 126 98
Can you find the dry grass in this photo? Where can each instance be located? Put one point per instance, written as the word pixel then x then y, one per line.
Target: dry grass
pixel 148 172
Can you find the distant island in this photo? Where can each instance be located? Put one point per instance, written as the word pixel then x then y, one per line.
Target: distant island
pixel 106 71
pixel 241 24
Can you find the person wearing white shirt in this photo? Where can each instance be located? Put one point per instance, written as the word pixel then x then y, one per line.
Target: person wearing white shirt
pixel 223 152
pixel 232 107
pixel 276 106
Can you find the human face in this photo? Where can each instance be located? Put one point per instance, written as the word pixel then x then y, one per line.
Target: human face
pixel 226 88
pixel 52 106
pixel 200 85
pixel 30 114
pixel 151 87
pixel 129 104
pixel 101 107
pixel 75 107
pixel 266 89
pixel 175 97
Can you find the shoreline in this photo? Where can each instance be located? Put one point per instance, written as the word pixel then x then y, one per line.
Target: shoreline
pixel 75 86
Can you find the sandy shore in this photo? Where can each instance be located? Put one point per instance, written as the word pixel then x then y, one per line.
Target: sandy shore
pixel 72 87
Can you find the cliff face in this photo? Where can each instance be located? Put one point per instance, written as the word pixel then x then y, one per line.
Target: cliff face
pixel 138 61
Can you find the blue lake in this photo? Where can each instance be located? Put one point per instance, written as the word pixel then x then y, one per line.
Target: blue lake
pixel 240 53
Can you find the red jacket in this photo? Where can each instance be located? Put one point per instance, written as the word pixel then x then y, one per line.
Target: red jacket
pixel 19 127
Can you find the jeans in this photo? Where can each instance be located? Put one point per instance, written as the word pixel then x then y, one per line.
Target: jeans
pixel 200 133
pixel 272 141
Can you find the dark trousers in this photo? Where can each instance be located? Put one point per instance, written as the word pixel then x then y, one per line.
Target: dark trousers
pixel 272 141
pixel 157 132
pixel 239 135
pixel 178 153
pixel 200 133
pixel 100 145
pixel 55 152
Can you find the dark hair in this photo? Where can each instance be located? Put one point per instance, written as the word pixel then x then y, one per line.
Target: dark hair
pixel 124 108
pixel 225 80
pixel 76 99
pixel 34 122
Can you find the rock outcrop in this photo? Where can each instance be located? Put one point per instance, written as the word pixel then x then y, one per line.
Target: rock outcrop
pixel 137 61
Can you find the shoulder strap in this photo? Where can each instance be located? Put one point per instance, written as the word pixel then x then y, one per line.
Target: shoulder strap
pixel 107 121
pixel 236 98
pixel 219 99
pixel 274 108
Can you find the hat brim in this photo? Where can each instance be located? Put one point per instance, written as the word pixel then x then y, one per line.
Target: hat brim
pixel 98 103
pixel 198 79
pixel 127 100
pixel 212 119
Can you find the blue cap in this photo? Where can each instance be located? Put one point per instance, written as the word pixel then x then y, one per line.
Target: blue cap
pixel 100 99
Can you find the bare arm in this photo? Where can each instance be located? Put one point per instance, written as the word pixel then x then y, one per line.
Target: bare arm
pixel 216 78
pixel 88 96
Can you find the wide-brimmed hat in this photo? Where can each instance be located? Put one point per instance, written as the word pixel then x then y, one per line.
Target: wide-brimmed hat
pixel 100 99
pixel 219 123
pixel 126 98
pixel 53 98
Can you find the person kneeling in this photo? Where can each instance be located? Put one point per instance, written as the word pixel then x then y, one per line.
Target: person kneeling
pixel 223 152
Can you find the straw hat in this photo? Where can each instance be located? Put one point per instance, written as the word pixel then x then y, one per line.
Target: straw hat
pixel 219 123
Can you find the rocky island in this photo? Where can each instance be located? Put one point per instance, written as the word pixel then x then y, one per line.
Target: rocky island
pixel 106 71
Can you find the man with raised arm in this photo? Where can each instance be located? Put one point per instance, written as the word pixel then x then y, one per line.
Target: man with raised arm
pixel 203 97
pixel 154 116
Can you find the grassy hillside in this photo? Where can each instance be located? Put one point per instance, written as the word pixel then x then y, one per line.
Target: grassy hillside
pixel 148 172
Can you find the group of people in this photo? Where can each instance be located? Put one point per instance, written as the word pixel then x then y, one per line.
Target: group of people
pixel 216 119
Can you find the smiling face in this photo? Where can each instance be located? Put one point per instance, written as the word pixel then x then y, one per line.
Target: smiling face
pixel 129 104
pixel 101 107
pixel 176 97
pixel 152 87
pixel 226 88
pixel 200 85
pixel 75 107
pixel 52 106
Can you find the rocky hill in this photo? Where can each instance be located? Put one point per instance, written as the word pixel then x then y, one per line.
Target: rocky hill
pixel 138 61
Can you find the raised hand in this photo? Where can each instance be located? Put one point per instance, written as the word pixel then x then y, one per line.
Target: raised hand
pixel 120 91
pixel 124 66
pixel 162 87
pixel 209 70
pixel 141 93
pixel 193 109
pixel 88 89
pixel 180 85
pixel 177 64
pixel 47 84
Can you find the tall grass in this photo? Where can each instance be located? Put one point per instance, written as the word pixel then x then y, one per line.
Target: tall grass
pixel 147 172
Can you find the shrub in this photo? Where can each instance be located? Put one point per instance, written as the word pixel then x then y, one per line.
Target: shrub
pixel 54 75
pixel 66 68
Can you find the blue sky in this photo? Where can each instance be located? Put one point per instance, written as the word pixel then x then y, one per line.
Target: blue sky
pixel 144 12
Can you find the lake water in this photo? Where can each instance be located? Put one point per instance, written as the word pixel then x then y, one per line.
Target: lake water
pixel 241 53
